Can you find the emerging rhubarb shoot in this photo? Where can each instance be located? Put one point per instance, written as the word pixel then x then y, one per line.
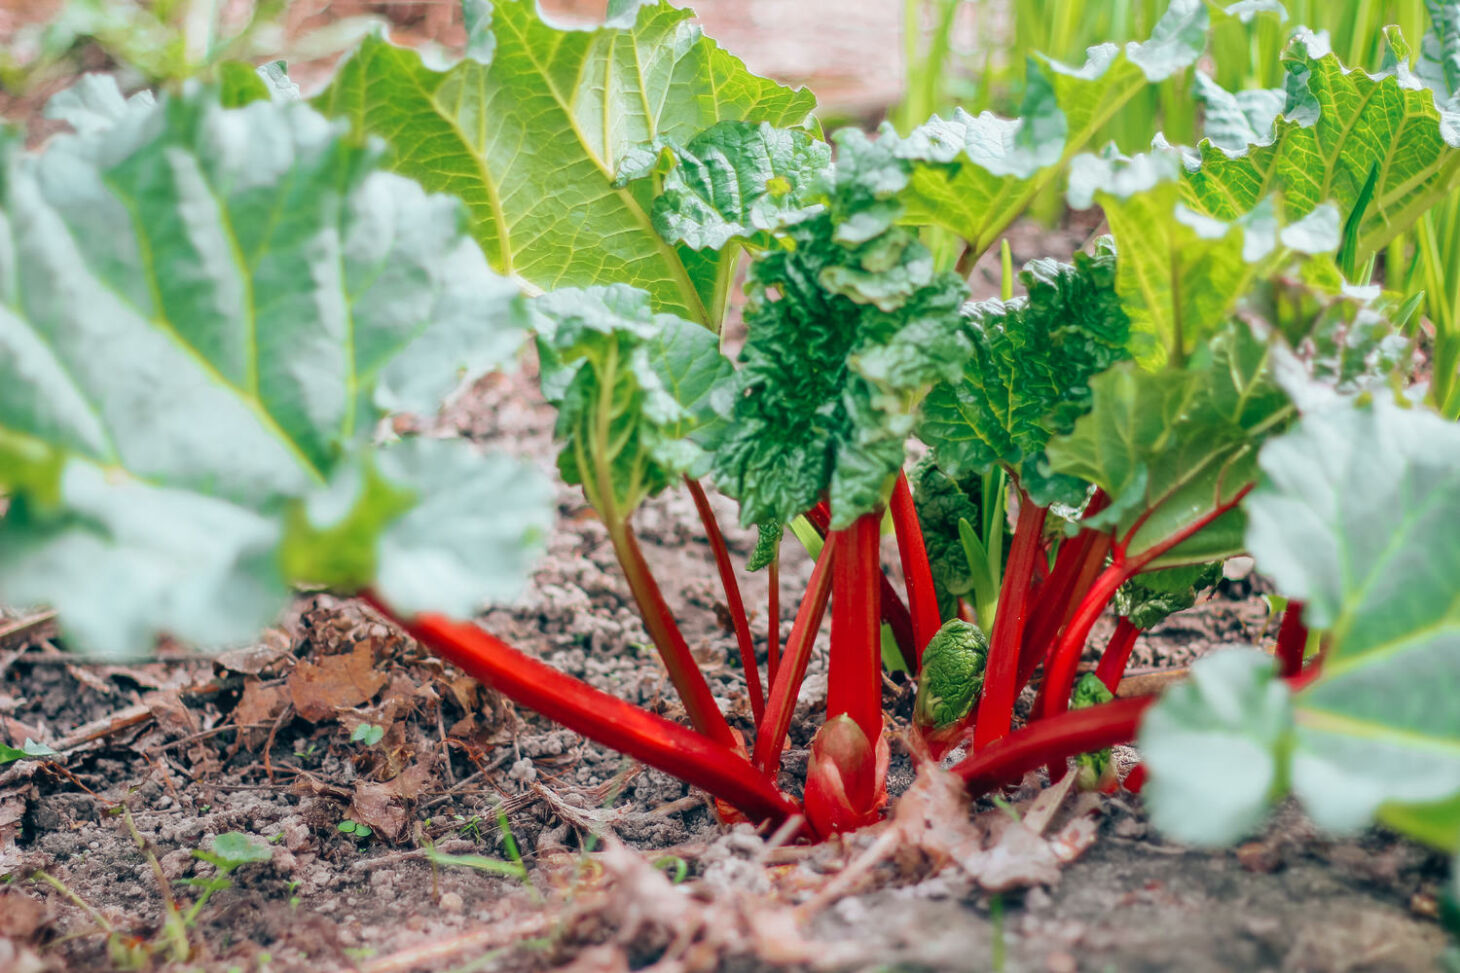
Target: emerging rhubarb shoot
pixel 949 681
pixel 845 782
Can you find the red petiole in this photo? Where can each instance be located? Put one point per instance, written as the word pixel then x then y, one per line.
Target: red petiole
pixel 733 602
pixel 1117 654
pixel 922 598
pixel 854 682
pixel 995 709
pixel 721 770
pixel 1292 640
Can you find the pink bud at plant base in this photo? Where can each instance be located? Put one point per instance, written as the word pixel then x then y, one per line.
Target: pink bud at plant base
pixel 846 780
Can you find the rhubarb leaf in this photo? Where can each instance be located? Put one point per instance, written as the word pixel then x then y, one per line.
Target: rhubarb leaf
pixel 531 132
pixel 1172 447
pixel 1337 127
pixel 634 391
pixel 1029 376
pixel 848 328
pixel 942 502
pixel 1214 749
pixel 1355 518
pixel 1147 599
pixel 189 439
pixel 975 175
pixel 736 181
pixel 1180 272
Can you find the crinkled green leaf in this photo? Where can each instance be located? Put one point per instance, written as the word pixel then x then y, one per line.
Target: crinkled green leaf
pixel 1029 376
pixel 942 502
pixel 203 313
pixel 767 545
pixel 1181 272
pixel 952 674
pixel 1149 598
pixel 1336 128
pixel 1235 120
pixel 533 138
pixel 975 175
pixel 1356 518
pixel 848 328
pixel 1215 749
pixel 634 389
pixel 735 181
pixel 94 104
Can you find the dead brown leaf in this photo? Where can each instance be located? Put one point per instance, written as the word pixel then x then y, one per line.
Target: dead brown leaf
pixel 335 682
pixel 21 917
pixel 259 704
pixel 385 806
pixel 271 654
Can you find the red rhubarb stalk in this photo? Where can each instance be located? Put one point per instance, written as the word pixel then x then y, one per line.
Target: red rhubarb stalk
pixel 1117 654
pixel 684 672
pixel 665 745
pixel 854 677
pixel 894 613
pixel 1292 640
pixel 781 705
pixel 773 618
pixel 922 598
pixel 1059 675
pixel 1056 739
pixel 996 705
pixel 1076 565
pixel 733 601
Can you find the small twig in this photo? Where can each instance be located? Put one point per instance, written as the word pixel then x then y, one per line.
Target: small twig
pixel 24 630
pixel 269 743
pixel 431 953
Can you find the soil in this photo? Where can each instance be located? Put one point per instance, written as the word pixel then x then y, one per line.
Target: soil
pixel 336 720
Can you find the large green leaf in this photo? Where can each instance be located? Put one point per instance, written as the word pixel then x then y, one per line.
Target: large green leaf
pixel 203 314
pixel 1181 272
pixel 1172 447
pixel 533 137
pixel 975 175
pixel 1029 376
pixel 1355 516
pixel 1337 128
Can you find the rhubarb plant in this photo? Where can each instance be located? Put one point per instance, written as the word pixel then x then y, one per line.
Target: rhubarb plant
pixel 1214 376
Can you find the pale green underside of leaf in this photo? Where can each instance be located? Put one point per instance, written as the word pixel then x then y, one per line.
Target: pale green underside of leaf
pixel 975 175
pixel 1337 127
pixel 532 140
pixel 1181 272
pixel 1175 445
pixel 203 313
pixel 1356 517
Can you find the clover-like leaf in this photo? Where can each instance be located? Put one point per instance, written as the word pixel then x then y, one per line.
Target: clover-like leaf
pixel 203 313
pixel 532 128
